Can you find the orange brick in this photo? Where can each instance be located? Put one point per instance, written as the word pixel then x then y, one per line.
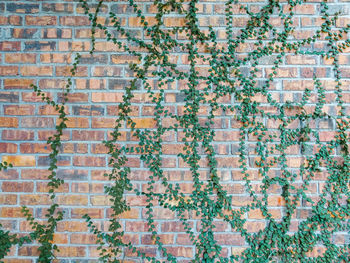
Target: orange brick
pixel 8 122
pixel 36 71
pixel 72 200
pixel 106 97
pixel 19 160
pixel 144 123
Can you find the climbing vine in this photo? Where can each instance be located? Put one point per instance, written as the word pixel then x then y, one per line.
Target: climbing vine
pixel 231 86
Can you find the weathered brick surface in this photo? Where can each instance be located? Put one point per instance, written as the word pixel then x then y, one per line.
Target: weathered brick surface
pixel 37 42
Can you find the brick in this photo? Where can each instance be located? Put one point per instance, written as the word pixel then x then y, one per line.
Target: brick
pixel 26 33
pixel 301 60
pixel 83 239
pixel 44 135
pixel 33 97
pixel 9 122
pixel 17 135
pixel 103 123
pixel 74 148
pixel 20 58
pixel 66 71
pixel 92 212
pixel 8 174
pixel 19 160
pixel 37 122
pixel 36 70
pixel 9 96
pixel 89 161
pixel 144 123
pixel 55 58
pixel 8 70
pixel 186 252
pixel 71 251
pixel 8 199
pixel 110 71
pixel 34 174
pixel 50 33
pixel 42 187
pixel 124 59
pixel 35 199
pixel 12 212
pixel 22 8
pixel 83 135
pixel 41 20
pixel 72 200
pixel 6 147
pixel 75 97
pixel 57 7
pixel 71 226
pixel 61 161
pixel 166 239
pixel 18 83
pixel 34 148
pixel 10 46
pixel 106 97
pixel 74 122
pixel 39 46
pixel 74 21
pixel 91 84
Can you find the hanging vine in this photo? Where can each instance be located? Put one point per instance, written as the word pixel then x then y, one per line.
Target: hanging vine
pixel 235 75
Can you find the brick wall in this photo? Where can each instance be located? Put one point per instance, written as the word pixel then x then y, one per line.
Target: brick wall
pixel 38 43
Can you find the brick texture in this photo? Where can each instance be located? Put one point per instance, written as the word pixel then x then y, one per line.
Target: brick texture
pixel 37 42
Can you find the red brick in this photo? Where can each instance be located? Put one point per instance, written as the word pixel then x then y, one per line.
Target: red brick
pixel 37 122
pixel 6 147
pixel 17 135
pixel 8 70
pixel 89 161
pixel 65 71
pixel 92 212
pixel 33 97
pixel 44 135
pixel 76 97
pixel 18 83
pixel 8 174
pixel 35 148
pixel 35 174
